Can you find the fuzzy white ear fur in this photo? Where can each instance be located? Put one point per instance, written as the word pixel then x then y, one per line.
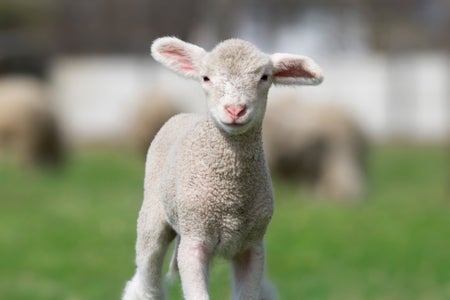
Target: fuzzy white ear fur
pixel 182 57
pixel 292 69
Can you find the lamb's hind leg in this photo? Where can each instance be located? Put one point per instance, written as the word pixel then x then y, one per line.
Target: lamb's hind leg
pixel 193 262
pixel 248 275
pixel 152 243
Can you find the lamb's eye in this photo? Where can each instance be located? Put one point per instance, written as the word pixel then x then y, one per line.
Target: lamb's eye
pixel 265 77
pixel 206 79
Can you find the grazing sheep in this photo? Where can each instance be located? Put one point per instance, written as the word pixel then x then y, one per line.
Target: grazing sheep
pixel 153 111
pixel 322 146
pixel 28 129
pixel 207 179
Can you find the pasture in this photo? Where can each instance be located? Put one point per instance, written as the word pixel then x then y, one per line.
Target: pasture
pixel 69 234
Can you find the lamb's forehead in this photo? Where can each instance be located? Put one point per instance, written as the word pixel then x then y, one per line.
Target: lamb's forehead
pixel 236 57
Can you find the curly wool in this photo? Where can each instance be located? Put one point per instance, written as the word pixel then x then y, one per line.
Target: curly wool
pixel 211 183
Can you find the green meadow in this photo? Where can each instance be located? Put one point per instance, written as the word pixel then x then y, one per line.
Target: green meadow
pixel 69 234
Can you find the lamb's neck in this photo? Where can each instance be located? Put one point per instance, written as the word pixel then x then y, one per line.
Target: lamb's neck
pixel 247 145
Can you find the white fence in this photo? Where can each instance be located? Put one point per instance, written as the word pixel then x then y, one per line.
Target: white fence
pixel 392 97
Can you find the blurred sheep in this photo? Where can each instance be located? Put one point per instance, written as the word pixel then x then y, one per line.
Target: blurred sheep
pixel 152 112
pixel 28 129
pixel 322 146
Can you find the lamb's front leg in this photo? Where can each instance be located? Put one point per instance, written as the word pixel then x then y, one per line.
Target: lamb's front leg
pixel 154 237
pixel 193 263
pixel 248 275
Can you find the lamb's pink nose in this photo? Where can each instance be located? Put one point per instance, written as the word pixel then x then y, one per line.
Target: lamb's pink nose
pixel 235 111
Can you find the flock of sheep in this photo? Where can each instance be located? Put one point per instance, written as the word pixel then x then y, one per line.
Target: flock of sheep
pixel 319 146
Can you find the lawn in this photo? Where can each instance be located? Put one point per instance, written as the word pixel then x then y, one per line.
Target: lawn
pixel 69 234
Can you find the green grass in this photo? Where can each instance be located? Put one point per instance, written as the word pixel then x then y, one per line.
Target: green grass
pixel 70 234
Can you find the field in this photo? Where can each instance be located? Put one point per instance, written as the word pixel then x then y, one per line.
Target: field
pixel 69 234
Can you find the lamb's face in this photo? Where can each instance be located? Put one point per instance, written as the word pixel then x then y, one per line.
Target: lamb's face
pixel 236 78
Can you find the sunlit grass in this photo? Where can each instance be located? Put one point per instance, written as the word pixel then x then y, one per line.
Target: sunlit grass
pixel 70 233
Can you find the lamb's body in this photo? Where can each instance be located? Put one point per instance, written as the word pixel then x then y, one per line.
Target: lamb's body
pixel 207 179
pixel 211 189
pixel 211 184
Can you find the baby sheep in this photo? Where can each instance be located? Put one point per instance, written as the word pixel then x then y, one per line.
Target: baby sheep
pixel 207 181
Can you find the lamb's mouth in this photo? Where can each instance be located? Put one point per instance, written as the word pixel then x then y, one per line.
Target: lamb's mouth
pixel 235 124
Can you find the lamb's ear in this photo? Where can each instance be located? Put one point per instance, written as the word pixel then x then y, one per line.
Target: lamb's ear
pixel 179 56
pixel 292 69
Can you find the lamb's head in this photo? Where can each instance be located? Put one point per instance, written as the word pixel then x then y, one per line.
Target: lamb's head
pixel 236 77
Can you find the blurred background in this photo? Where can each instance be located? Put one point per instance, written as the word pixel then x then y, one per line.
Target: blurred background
pixel 360 164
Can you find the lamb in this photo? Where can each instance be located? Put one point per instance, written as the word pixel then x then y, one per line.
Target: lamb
pixel 207 181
